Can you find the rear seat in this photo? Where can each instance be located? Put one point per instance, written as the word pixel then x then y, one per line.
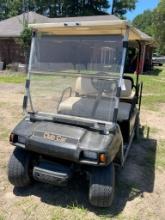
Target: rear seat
pixel 83 104
pixel 128 94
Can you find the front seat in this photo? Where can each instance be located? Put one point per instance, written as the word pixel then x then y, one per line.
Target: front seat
pixel 86 104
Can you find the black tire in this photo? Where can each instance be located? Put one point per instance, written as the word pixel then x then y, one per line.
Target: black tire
pixel 18 168
pixel 102 186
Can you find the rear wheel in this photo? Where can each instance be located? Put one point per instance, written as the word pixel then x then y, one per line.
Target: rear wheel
pixel 18 168
pixel 102 184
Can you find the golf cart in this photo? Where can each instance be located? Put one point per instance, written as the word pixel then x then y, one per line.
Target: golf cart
pixel 81 112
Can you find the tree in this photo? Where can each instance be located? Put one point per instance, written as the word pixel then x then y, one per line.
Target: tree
pixel 62 8
pixel 153 23
pixel 145 22
pixel 84 8
pixel 159 26
pixel 25 38
pixel 54 8
pixel 10 8
pixel 120 7
pixel 2 10
pixel 25 41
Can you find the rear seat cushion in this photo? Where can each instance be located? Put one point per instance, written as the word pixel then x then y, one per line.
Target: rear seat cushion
pixel 84 87
pixel 127 93
pixel 84 107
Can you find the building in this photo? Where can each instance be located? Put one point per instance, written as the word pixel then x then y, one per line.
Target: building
pixel 10 31
pixel 11 51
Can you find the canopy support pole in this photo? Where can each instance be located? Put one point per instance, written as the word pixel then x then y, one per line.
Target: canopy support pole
pixel 27 95
pixel 120 83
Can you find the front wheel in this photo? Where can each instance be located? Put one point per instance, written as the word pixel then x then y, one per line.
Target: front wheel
pixel 102 186
pixel 18 168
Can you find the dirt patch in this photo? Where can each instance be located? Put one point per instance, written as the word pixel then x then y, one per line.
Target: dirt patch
pixel 155 121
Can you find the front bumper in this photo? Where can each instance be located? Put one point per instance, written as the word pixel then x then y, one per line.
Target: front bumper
pixel 52 173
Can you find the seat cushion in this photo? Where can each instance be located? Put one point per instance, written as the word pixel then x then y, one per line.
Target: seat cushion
pixel 130 97
pixel 77 106
pixel 87 107
pixel 128 89
pixel 84 86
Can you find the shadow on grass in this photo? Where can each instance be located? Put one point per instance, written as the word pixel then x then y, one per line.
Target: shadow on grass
pixel 154 72
pixel 132 181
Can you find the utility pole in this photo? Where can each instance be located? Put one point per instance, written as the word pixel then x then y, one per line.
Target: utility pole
pixel 113 6
pixel 25 9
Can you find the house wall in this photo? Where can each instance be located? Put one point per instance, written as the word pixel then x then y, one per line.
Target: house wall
pixel 148 59
pixel 145 58
pixel 11 51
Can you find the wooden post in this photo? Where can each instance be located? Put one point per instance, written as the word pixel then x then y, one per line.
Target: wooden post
pixel 143 53
pixel 140 66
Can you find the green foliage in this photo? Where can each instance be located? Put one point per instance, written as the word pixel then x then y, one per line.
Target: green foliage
pixel 145 22
pixel 152 23
pixel 2 10
pixel 159 26
pixel 25 38
pixel 10 8
pixel 84 8
pixel 62 8
pixel 121 7
pixel 55 8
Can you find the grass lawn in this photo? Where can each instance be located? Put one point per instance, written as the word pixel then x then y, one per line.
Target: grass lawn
pixel 8 77
pixel 154 89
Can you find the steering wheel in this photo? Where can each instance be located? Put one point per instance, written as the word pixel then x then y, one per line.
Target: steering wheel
pixel 103 85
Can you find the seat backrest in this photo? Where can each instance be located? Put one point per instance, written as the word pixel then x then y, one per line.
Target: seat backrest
pixel 84 86
pixel 128 89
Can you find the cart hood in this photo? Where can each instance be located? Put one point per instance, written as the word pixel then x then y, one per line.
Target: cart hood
pixel 60 140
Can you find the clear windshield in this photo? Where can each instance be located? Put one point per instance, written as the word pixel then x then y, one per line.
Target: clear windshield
pixel 76 75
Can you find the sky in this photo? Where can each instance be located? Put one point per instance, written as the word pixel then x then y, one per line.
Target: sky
pixel 141 6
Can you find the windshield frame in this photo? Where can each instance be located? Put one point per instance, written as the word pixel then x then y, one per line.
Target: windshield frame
pixel 27 97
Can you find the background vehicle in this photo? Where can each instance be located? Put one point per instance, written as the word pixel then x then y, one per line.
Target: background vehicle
pixel 81 111
pixel 158 60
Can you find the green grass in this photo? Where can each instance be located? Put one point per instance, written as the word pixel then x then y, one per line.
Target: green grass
pixel 15 78
pixel 160 160
pixel 4 133
pixel 75 213
pixel 2 217
pixel 154 89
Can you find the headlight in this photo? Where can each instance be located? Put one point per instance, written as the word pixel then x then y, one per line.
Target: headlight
pixel 90 155
pixel 21 140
